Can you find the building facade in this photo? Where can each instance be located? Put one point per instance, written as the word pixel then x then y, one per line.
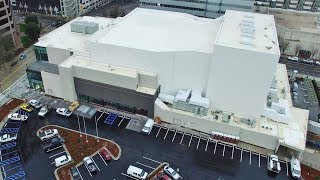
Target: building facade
pixel 202 8
pixel 299 5
pixel 6 22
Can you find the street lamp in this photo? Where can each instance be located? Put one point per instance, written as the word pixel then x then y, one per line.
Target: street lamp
pixel 85 128
pixel 79 124
pixel 95 119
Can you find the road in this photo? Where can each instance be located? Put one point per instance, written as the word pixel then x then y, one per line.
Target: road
pixel 16 72
pixel 303 68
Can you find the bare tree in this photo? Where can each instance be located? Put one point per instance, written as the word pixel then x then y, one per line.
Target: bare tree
pixel 284 46
pixel 314 51
pixel 297 49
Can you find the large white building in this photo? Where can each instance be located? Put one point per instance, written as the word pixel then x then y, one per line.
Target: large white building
pixel 203 68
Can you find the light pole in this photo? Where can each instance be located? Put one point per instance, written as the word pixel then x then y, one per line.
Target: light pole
pixel 85 128
pixel 79 124
pixel 95 119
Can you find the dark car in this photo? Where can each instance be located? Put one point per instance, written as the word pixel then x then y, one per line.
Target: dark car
pixel 105 155
pixel 75 173
pixel 163 176
pixel 52 143
pixel 88 162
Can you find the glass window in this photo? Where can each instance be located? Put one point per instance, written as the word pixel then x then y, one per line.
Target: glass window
pixel 41 53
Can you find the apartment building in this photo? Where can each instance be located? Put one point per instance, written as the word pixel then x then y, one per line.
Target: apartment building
pixel 6 23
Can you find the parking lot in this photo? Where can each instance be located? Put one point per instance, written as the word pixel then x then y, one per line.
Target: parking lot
pixel 195 157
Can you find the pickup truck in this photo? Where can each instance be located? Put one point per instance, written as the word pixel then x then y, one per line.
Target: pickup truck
pixel 47 134
pixel 52 143
pixel 273 164
pixel 8 137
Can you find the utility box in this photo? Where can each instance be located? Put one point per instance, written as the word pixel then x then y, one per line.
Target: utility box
pixel 85 27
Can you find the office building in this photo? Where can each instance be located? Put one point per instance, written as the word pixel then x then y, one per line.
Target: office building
pixel 6 22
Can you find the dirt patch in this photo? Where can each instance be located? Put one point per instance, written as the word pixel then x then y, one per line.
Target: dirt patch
pixel 79 148
pixel 8 107
pixel 309 173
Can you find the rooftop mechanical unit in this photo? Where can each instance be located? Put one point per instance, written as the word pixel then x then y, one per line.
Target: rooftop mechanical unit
pixel 85 27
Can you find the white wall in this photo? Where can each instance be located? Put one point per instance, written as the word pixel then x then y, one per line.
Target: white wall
pixel 67 84
pixel 51 84
pixel 57 56
pixel 176 70
pixel 239 80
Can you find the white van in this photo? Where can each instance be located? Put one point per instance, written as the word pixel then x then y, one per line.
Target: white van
pixel 62 160
pixel 148 126
pixel 137 172
pixel 295 168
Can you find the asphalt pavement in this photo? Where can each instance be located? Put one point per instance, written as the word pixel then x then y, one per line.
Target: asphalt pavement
pixel 196 158
pixel 303 68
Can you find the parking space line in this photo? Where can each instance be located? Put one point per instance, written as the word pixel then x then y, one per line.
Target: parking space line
pixel 158 131
pixel 182 137
pixel 287 168
pixel 79 173
pixel 103 160
pixel 241 155
pixel 250 158
pixel 56 154
pixel 190 140
pixel 207 145
pixel 165 136
pixel 145 165
pixel 95 164
pixel 13 168
pixel 262 155
pixel 175 133
pixel 232 152
pixel 259 159
pixel 54 148
pixel 224 148
pixel 215 148
pixel 8 153
pixel 151 160
pixel 198 143
pixel 120 121
pixel 87 169
pixel 100 116
pixel 129 176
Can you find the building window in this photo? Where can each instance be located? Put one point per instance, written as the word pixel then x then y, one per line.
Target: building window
pixel 41 53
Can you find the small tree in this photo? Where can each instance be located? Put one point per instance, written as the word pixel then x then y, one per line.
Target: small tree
pixel 297 49
pixel 31 18
pixel 314 51
pixel 115 12
pixel 32 31
pixel 284 46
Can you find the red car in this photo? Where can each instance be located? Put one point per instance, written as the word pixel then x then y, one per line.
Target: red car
pixel 162 176
pixel 105 155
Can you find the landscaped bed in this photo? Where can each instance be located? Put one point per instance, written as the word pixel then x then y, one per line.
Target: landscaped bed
pixel 79 148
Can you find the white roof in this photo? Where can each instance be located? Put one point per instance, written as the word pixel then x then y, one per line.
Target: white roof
pixel 197 100
pixel 250 31
pixel 156 30
pixel 182 95
pixel 63 38
pixel 166 98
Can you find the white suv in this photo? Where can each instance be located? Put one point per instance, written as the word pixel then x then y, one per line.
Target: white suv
pixel 293 58
pixel 62 160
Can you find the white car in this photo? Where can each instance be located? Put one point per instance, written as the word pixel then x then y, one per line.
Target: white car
pixel 171 172
pixel 17 117
pixel 8 138
pixel 295 168
pixel 308 61
pixel 62 160
pixel 293 58
pixel 273 164
pixel 317 63
pixel 43 111
pixel 47 134
pixel 64 112
pixel 35 103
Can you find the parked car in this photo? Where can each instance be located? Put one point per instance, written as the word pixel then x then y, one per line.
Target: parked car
pixel 171 172
pixel 148 126
pixel 52 143
pixel 317 63
pixel 136 172
pixel 293 58
pixel 43 111
pixel 62 160
pixel 273 164
pixel 47 134
pixel 163 176
pixel 35 104
pixel 17 117
pixel 8 138
pixel 308 61
pixel 88 162
pixel 22 56
pixel 64 112
pixel 105 155
pixel 26 107
pixel 75 173
pixel 295 168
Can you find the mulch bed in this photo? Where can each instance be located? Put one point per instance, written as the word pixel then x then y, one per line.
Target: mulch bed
pixel 9 106
pixel 309 173
pixel 79 148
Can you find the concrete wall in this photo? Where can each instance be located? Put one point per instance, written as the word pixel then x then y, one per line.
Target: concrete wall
pixel 51 84
pixel 204 124
pixel 67 84
pixel 176 70
pixel 239 80
pixel 57 56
